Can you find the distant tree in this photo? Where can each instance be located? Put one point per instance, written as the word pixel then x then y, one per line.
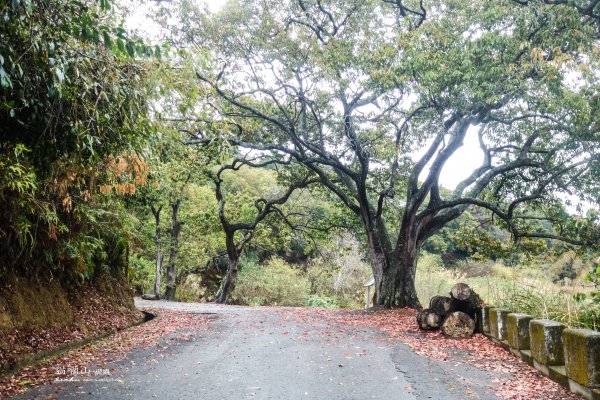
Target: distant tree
pixel 239 233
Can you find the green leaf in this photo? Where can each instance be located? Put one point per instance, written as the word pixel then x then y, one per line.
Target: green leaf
pixel 107 40
pixel 130 48
pixel 121 45
pixel 5 80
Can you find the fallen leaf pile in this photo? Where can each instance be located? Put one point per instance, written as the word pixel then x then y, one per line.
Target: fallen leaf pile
pixel 512 378
pixel 169 328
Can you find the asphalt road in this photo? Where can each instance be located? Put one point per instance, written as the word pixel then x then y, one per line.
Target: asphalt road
pixel 270 353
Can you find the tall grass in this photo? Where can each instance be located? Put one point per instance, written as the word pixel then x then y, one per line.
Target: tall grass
pixel 527 291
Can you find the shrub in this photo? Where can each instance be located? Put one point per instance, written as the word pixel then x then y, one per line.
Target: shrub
pixel 275 283
pixel 193 289
pixel 342 273
pixel 322 301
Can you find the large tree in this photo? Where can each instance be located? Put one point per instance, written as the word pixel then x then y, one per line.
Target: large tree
pixel 374 98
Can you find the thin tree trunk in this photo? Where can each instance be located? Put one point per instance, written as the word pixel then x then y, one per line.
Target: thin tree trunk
pixel 159 258
pixel 230 278
pixel 173 252
pixel 229 281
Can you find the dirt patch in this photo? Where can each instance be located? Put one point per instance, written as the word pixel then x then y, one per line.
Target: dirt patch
pixel 40 314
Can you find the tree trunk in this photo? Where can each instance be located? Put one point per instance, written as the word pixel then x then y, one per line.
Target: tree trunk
pixel 229 281
pixel 159 258
pixel 380 252
pixel 398 284
pixel 173 252
pixel 230 278
pixel 378 264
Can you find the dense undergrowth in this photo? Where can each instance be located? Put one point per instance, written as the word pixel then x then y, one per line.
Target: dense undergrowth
pixel 336 280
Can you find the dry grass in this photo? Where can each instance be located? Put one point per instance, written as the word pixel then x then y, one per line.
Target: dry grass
pixel 522 290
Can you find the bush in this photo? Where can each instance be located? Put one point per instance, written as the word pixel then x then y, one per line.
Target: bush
pixel 275 283
pixel 193 289
pixel 322 301
pixel 342 273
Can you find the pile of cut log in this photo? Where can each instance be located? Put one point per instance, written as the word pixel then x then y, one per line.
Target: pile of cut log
pixel 456 315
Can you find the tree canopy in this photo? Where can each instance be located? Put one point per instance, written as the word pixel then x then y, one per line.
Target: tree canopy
pixel 351 91
pixel 72 95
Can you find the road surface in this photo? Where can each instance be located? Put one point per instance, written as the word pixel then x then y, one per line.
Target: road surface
pixel 276 353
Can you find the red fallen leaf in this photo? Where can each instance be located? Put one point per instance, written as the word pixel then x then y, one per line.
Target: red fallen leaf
pixel 525 383
pixel 112 349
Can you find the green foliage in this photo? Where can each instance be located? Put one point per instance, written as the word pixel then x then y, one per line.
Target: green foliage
pixel 141 273
pixel 275 283
pixel 322 301
pixel 68 102
pixel 340 272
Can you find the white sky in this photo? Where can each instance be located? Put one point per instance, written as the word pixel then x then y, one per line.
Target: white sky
pixel 461 164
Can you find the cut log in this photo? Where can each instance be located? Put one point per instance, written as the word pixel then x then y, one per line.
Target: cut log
pixel 151 297
pixel 458 325
pixel 461 292
pixel 429 320
pixel 441 305
pixel 465 299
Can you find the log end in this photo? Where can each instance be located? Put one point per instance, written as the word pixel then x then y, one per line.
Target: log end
pixel 429 320
pixel 461 291
pixel 458 325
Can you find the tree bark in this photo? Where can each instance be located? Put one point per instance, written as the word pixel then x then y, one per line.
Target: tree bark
pixel 173 252
pixel 379 262
pixel 159 258
pixel 398 283
pixel 230 278
pixel 229 281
